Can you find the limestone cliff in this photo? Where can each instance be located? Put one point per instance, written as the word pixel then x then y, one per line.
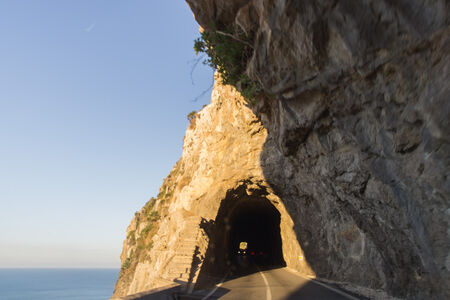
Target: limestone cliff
pixel 358 131
pixel 349 142
pixel 220 164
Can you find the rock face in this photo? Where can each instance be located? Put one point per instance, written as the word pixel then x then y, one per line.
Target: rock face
pixel 358 144
pixel 219 169
pixel 351 148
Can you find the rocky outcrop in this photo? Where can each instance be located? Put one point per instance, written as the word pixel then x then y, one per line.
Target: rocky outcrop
pixel 358 131
pixel 220 164
pixel 350 144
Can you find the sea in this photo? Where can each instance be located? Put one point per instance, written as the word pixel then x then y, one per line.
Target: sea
pixel 57 284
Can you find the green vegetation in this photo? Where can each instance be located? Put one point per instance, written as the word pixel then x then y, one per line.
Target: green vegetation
pixel 153 216
pixel 126 264
pixel 191 115
pixel 146 229
pixel 166 192
pixel 249 89
pixel 150 245
pixel 228 52
pixel 132 237
pixel 151 213
pixel 149 207
pixel 140 247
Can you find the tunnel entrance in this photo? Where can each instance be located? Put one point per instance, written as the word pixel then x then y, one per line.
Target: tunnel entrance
pixel 245 215
pixel 256 222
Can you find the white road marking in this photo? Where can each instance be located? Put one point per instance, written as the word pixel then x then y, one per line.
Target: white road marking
pixel 215 288
pixel 323 284
pixel 268 292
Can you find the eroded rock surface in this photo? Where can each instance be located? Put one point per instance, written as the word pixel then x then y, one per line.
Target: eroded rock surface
pixel 358 132
pixel 220 164
pixel 351 146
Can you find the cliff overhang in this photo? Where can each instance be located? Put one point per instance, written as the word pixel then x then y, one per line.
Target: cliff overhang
pixel 348 145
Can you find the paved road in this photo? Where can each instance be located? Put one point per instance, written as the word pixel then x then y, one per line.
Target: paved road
pixel 273 284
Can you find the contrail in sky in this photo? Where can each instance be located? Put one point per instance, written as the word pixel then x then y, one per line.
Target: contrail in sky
pixel 89 29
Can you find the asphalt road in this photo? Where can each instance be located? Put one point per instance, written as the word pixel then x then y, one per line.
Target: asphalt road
pixel 275 284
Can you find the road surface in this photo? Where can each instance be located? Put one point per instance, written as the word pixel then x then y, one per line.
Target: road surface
pixel 275 284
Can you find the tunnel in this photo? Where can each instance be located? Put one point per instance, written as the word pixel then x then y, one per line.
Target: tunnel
pixel 256 223
pixel 248 217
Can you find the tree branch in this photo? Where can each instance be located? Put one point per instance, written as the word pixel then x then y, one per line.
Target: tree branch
pixel 235 38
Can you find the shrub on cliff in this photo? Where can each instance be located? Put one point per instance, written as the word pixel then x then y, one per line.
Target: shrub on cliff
pixel 228 52
pixel 153 216
pixel 146 230
pixel 126 264
pixel 191 115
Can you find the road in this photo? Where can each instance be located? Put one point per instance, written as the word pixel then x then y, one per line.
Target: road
pixel 275 284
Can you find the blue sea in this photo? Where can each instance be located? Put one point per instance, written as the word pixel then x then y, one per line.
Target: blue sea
pixel 57 284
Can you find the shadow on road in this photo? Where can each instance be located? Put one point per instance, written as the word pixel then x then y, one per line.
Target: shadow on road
pixel 311 291
pixel 282 285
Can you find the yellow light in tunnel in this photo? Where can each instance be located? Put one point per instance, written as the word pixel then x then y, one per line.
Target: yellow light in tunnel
pixel 243 245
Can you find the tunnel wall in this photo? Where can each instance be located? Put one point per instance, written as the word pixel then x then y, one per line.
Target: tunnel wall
pixel 246 193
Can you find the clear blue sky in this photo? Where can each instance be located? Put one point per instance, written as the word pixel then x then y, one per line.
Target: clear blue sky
pixel 93 102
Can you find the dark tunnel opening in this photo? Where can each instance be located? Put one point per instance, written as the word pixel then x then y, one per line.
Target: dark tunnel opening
pixel 241 218
pixel 245 215
pixel 257 223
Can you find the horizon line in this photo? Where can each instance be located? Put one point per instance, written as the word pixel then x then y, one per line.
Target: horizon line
pixel 110 268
